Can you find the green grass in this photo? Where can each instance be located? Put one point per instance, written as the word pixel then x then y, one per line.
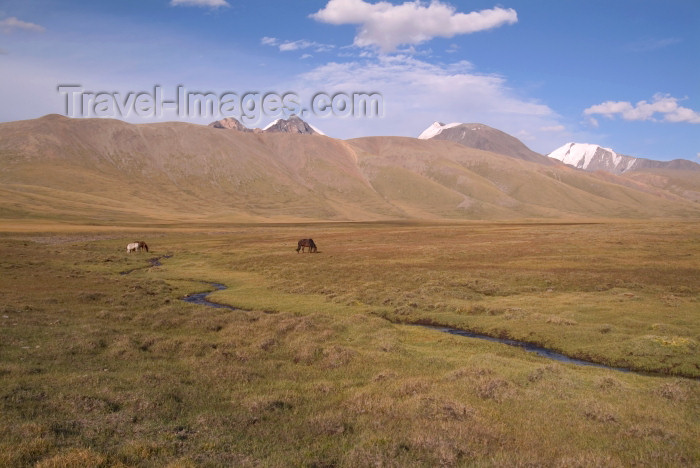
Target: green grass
pixel 104 369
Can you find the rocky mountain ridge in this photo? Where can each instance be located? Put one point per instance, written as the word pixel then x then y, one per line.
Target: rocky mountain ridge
pixel 293 124
pixel 590 157
pixel 483 137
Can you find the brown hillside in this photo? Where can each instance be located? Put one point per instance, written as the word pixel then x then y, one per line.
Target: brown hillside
pixel 493 186
pixel 107 171
pixel 684 183
pixel 483 137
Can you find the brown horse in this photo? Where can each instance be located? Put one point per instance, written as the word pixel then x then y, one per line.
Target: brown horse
pixel 306 243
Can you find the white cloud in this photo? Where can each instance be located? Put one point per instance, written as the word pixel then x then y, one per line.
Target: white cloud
pixel 304 44
pixel 417 93
pixel 553 128
pixel 387 26
pixel 9 25
pixel 301 44
pixel 683 114
pixel 663 104
pixel 294 45
pixel 524 135
pixel 200 3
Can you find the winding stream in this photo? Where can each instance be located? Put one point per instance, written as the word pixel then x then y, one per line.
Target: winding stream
pixel 540 351
pixel 201 299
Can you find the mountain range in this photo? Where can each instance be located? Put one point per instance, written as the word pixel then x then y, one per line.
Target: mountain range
pixel 293 124
pixel 106 171
pixel 480 136
pixel 596 158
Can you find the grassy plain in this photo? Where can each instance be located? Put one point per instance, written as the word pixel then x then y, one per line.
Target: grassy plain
pixel 100 368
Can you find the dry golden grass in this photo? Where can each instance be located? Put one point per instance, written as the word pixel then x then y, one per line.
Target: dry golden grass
pixel 621 294
pixel 105 369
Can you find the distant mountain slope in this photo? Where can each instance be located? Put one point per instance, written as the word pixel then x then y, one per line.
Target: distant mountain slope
pixel 483 185
pixel 230 123
pixel 681 182
pixel 111 172
pixel 109 169
pixel 293 124
pixel 596 158
pixel 483 137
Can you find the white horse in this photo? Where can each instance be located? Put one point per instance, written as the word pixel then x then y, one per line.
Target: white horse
pixel 136 246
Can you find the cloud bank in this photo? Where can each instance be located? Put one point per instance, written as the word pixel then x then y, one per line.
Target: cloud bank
pixel 662 106
pixel 11 24
pixel 417 93
pixel 387 26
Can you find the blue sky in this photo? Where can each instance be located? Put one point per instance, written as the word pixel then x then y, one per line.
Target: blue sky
pixel 623 74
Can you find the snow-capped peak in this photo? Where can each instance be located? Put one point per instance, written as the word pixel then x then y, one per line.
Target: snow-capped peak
pixel 435 129
pixel 578 154
pixel 294 124
pixel 592 157
pixel 271 124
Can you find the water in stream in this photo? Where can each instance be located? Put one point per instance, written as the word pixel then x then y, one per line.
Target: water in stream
pixel 201 299
pixel 544 352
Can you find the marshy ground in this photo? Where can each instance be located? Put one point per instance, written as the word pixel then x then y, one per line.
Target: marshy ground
pixel 100 368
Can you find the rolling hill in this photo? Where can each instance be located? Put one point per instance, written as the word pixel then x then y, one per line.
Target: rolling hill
pixel 105 171
pixel 483 137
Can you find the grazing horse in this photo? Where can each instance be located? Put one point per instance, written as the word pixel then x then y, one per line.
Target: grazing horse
pixel 306 243
pixel 136 246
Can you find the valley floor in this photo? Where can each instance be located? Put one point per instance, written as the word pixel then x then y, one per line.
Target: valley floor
pixel 103 364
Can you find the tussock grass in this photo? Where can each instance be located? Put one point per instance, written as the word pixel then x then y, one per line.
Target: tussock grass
pixel 104 369
pixel 591 291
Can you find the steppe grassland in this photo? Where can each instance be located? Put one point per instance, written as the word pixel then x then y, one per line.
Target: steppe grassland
pixel 106 369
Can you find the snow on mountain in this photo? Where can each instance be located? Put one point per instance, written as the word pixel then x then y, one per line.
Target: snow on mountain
pixel 435 129
pixel 596 158
pixel 315 129
pixel 593 158
pixel 483 137
pixel 272 124
pixel 292 125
